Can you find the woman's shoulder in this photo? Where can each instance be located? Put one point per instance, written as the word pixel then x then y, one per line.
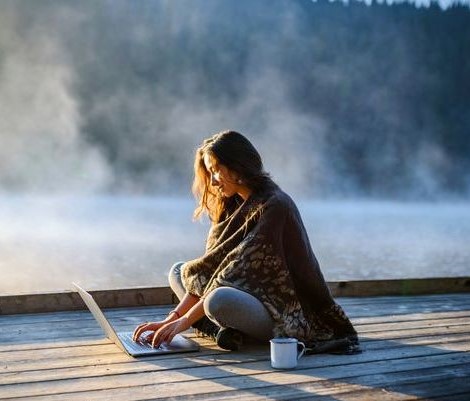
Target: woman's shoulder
pixel 277 198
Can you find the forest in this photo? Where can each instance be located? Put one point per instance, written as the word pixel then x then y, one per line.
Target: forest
pixel 341 100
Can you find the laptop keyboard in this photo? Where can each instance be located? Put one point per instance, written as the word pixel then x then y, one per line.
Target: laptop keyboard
pixel 136 346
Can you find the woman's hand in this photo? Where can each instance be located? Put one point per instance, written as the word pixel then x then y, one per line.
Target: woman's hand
pixel 166 332
pixel 193 309
pixel 147 326
pixel 161 331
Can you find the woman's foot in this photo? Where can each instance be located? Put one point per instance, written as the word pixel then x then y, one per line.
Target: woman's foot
pixel 225 337
pixel 229 339
pixel 205 327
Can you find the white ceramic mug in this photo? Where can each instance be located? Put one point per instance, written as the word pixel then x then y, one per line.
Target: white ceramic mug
pixel 284 352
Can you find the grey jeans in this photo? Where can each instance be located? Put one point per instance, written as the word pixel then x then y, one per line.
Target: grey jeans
pixel 230 307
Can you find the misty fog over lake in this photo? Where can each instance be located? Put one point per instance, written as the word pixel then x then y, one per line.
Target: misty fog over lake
pixel 114 242
pixel 360 110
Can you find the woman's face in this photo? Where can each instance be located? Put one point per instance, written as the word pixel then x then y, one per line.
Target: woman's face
pixel 221 177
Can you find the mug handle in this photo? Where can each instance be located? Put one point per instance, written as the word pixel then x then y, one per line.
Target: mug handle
pixel 303 349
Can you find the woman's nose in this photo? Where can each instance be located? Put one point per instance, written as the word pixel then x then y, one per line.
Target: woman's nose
pixel 214 181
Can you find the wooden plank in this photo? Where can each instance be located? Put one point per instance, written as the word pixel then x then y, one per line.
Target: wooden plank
pixel 416 317
pixel 128 316
pixel 46 332
pixel 114 313
pixel 87 318
pixel 398 342
pixel 15 348
pixel 352 304
pixel 454 397
pixel 372 310
pixel 44 339
pixel 437 285
pixel 35 359
pixel 49 333
pixel 399 299
pixel 70 342
pixel 93 332
pixel 55 366
pixel 142 296
pixel 118 315
pixel 409 385
pixel 56 351
pixel 94 335
pixel 132 321
pixel 416 390
pixel 405 325
pixel 70 300
pixel 367 333
pixel 220 378
pixel 59 343
pixel 49 358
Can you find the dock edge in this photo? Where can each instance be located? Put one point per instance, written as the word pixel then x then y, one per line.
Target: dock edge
pixel 151 296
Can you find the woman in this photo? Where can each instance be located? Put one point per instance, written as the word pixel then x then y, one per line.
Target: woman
pixel 258 277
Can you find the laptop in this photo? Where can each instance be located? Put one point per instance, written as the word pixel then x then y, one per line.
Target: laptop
pixel 124 339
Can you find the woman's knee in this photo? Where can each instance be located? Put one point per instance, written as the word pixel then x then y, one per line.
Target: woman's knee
pixel 175 270
pixel 230 307
pixel 218 301
pixel 175 281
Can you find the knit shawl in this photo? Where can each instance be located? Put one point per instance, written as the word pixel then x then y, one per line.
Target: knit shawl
pixel 262 248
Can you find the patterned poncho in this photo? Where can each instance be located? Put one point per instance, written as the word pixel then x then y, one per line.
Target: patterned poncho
pixel 262 248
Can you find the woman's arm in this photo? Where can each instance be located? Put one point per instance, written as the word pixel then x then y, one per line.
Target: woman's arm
pixel 170 329
pixel 188 301
pixel 188 311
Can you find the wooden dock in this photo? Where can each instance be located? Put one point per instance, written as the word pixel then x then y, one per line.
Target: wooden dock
pixel 415 347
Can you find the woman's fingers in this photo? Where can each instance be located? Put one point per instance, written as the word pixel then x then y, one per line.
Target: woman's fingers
pixel 143 328
pixel 138 331
pixel 156 338
pixel 169 330
pixel 164 334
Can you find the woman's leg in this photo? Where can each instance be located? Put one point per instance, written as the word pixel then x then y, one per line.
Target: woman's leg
pixel 229 307
pixel 174 278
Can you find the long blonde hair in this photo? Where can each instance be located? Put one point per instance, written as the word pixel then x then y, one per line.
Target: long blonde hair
pixel 234 151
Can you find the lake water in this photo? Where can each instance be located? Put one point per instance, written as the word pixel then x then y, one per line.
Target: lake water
pixel 117 242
